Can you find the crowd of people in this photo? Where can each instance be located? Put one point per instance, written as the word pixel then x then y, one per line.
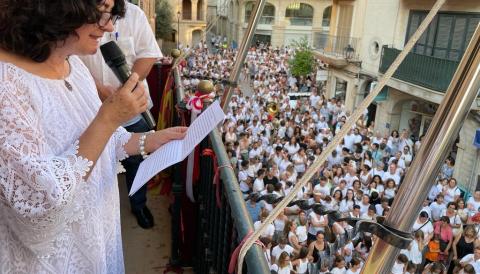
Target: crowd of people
pixel 272 140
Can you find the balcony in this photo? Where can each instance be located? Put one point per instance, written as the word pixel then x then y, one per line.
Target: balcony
pixel 337 51
pixel 425 71
pixel 300 21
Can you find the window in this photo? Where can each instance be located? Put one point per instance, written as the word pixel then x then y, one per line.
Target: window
pixel 327 13
pixel 268 14
pixel 299 14
pixel 446 37
pixel 186 10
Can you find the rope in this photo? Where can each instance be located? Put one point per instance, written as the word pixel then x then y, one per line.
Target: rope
pixel 317 164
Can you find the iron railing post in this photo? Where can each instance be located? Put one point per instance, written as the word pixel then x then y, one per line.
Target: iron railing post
pixel 242 52
pixel 177 186
pixel 255 259
pixel 438 142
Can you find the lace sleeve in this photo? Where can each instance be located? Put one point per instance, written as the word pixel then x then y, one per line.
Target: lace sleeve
pixel 122 137
pixel 34 182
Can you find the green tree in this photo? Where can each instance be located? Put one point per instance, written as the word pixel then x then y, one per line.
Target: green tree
pixel 303 62
pixel 163 20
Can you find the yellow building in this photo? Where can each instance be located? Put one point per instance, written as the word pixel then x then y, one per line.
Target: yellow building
pixel 190 20
pixel 281 22
pixel 362 44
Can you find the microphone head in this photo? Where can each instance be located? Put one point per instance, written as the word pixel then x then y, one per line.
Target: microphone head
pixel 112 54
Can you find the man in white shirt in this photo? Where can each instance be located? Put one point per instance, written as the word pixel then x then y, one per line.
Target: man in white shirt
pixel 268 233
pixel 437 207
pixel 135 38
pixel 280 248
pixel 472 259
pixel 349 140
pixel 392 173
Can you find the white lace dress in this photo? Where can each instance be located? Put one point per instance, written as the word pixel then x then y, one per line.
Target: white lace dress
pixel 51 220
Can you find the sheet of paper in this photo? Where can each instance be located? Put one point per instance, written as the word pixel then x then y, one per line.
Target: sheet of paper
pixel 175 151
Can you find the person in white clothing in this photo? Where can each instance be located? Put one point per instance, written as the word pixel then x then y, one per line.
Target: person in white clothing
pixel 137 41
pixel 258 185
pixel 284 265
pixel 472 259
pixel 281 247
pixel 60 145
pixel 269 231
pixel 473 203
pixel 422 223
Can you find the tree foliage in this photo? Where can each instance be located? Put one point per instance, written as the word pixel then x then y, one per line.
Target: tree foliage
pixel 163 19
pixel 303 62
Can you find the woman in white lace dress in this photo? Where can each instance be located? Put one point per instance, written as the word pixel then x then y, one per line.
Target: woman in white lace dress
pixel 59 145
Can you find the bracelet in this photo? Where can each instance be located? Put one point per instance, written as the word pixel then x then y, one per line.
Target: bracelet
pixel 141 143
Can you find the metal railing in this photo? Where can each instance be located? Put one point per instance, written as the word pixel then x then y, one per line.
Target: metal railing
pixel 300 21
pixel 337 46
pixel 221 222
pixel 266 20
pixel 187 15
pixel 425 71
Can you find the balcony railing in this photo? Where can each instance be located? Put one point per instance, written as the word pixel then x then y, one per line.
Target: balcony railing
pixel 187 15
pixel 221 217
pixel 300 21
pixel 425 71
pixel 266 20
pixel 337 46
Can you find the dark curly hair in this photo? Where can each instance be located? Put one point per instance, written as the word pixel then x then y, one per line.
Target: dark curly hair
pixel 31 28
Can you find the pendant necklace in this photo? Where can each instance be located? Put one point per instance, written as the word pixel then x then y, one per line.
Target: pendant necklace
pixel 67 84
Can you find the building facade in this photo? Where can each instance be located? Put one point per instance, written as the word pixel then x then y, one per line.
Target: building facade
pixel 189 20
pixel 363 43
pixel 281 23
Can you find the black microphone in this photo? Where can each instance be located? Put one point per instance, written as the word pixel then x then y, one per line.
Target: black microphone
pixel 115 59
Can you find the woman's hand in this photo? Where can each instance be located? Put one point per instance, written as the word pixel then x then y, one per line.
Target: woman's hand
pixel 124 104
pixel 161 137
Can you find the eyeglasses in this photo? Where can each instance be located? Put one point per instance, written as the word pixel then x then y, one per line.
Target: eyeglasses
pixel 106 17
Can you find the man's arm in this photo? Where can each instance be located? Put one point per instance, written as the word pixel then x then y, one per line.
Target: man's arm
pixel 142 67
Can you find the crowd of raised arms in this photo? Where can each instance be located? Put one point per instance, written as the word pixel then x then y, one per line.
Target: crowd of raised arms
pixel 270 152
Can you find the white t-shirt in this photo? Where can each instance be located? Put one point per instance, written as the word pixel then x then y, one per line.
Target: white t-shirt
pixel 336 270
pixel 314 217
pixel 325 190
pixel 415 255
pixel 476 205
pixel 450 194
pixel 437 210
pixel 301 232
pixel 426 229
pixel 398 268
pixel 258 185
pixel 350 271
pixel 470 259
pixel 269 231
pixel 276 251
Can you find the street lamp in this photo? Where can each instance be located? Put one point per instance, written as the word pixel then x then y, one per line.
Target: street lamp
pixel 178 30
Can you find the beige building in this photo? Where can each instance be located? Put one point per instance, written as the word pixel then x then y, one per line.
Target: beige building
pixel 362 44
pixel 190 20
pixel 281 23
